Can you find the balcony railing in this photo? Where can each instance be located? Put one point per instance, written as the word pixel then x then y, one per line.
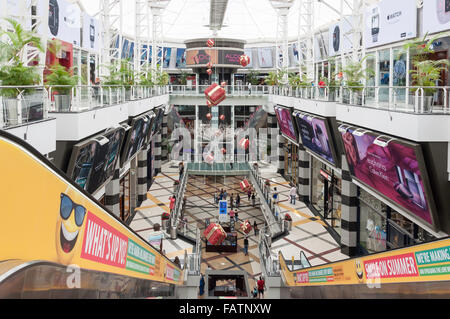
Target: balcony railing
pixel 24 104
pixel 232 90
pixel 410 99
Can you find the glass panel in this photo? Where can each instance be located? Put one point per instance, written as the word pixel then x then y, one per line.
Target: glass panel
pixel 383 69
pixel 370 65
pixel 372 223
pixel 399 75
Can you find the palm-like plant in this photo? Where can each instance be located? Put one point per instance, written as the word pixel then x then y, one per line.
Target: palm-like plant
pixel 271 78
pixel 162 78
pixel 355 73
pixel 425 72
pixel 253 77
pixel 61 78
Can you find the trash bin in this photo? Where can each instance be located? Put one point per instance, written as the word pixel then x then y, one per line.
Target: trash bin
pixel 173 233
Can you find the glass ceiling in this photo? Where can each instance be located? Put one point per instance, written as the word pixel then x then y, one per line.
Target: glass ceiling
pixel 244 19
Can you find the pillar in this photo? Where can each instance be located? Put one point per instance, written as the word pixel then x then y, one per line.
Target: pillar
pixel 142 176
pixel 349 212
pixel 157 151
pixel 271 126
pixel 280 152
pixel 303 174
pixel 164 137
pixel 112 194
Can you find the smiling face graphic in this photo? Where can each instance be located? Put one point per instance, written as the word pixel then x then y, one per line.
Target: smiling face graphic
pixel 68 226
pixel 359 269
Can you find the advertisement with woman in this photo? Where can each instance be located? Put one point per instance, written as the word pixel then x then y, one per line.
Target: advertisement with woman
pixel 392 168
pixel 286 124
pixel 314 134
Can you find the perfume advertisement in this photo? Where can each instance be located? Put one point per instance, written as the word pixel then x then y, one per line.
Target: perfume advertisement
pixel 436 16
pixel 391 21
pixel 91 40
pixel 265 57
pixel 315 137
pixel 64 20
pixel 392 168
pixel 285 122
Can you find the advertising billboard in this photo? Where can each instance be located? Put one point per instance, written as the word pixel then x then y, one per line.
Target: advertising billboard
pixel 105 159
pixel 157 123
pixel 340 37
pixel 286 123
pixel 390 21
pixel 82 162
pixel 265 59
pixel 64 20
pixel 419 263
pixel 316 136
pixel 166 57
pixel 230 57
pixel 249 53
pixel 59 223
pixel 91 33
pixel 181 58
pixel 394 168
pixel 215 56
pixel 135 138
pixel 436 16
pixel 293 54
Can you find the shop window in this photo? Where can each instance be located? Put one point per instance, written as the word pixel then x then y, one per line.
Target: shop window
pixel 399 74
pixel 383 74
pixel 372 223
pixel 370 82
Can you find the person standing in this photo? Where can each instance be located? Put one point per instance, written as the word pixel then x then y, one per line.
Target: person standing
pixel 181 167
pixel 246 246
pixel 238 200
pixel 255 228
pixel 293 193
pixel 249 193
pixel 221 195
pixel 202 285
pixel 275 195
pixel 216 198
pixel 249 88
pixel 232 201
pixel 172 203
pixel 253 199
pixel 261 285
pixel 225 194
pixel 236 215
pixel 231 214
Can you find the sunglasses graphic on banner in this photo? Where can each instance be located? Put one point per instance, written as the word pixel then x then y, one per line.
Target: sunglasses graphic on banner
pixel 66 207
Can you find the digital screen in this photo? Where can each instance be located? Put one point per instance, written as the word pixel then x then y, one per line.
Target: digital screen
pixel 396 170
pixel 135 138
pixel 105 159
pixel 81 162
pixel 284 117
pixel 203 56
pixel 315 135
pixel 157 123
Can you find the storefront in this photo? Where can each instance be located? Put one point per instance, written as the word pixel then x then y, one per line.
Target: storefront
pixel 325 192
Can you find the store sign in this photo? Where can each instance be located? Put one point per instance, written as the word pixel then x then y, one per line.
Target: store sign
pixel 64 20
pixel 390 21
pixel 315 136
pixel 59 224
pixel 394 168
pixel 421 263
pixel 326 175
pixel 286 124
pixel 436 16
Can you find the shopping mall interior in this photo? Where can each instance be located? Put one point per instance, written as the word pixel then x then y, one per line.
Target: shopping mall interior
pixel 224 149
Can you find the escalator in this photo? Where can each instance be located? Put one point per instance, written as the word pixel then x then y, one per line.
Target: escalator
pixel 58 241
pixel 420 271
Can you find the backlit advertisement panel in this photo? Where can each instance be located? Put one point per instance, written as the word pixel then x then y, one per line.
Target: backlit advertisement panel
pixel 390 21
pixel 200 57
pixel 393 168
pixel 265 59
pixel 82 162
pixel 136 137
pixel 59 223
pixel 166 59
pixel 286 123
pixel 315 135
pixel 436 16
pixel 181 58
pixel 340 37
pixel 91 33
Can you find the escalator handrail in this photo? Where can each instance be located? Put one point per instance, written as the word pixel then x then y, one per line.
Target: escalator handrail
pixel 62 175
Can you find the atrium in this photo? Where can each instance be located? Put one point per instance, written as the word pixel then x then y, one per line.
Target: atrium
pixel 212 149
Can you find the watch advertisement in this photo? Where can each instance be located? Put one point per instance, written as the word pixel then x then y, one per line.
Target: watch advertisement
pixel 393 168
pixel 91 33
pixel 390 21
pixel 436 16
pixel 340 37
pixel 265 58
pixel 286 124
pixel 315 135
pixel 64 20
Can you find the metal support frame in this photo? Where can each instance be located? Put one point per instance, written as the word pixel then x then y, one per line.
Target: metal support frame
pixel 306 35
pixel 142 29
pixel 157 8
pixel 281 44
pixel 112 22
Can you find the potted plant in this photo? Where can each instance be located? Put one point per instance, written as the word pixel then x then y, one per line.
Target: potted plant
pixel 127 77
pixel 331 84
pixel 63 81
pixel 111 82
pixel 15 72
pixel 355 74
pixel 426 73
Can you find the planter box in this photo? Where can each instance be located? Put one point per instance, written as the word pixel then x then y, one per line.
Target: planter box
pixel 62 103
pixel 11 111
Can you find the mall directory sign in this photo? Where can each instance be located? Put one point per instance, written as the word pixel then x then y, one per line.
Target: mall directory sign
pixel 420 263
pixel 62 224
pixel 286 123
pixel 392 167
pixel 316 136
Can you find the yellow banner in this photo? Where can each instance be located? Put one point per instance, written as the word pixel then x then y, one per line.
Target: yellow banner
pixel 425 262
pixel 43 217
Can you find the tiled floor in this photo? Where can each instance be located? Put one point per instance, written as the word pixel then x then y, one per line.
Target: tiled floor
pixel 309 233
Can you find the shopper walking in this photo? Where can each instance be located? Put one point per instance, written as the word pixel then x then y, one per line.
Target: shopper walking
pixel 216 198
pixel 232 201
pixel 293 193
pixel 249 88
pixel 181 168
pixel 255 228
pixel 225 194
pixel 275 195
pixel 236 215
pixel 246 246
pixel 221 195
pixel 238 200
pixel 231 214
pixel 202 285
pixel 253 199
pixel 261 286
pixel 172 203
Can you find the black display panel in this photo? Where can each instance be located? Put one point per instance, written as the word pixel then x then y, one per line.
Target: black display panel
pixel 136 137
pixel 81 162
pixel 286 123
pixel 157 123
pixel 105 158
